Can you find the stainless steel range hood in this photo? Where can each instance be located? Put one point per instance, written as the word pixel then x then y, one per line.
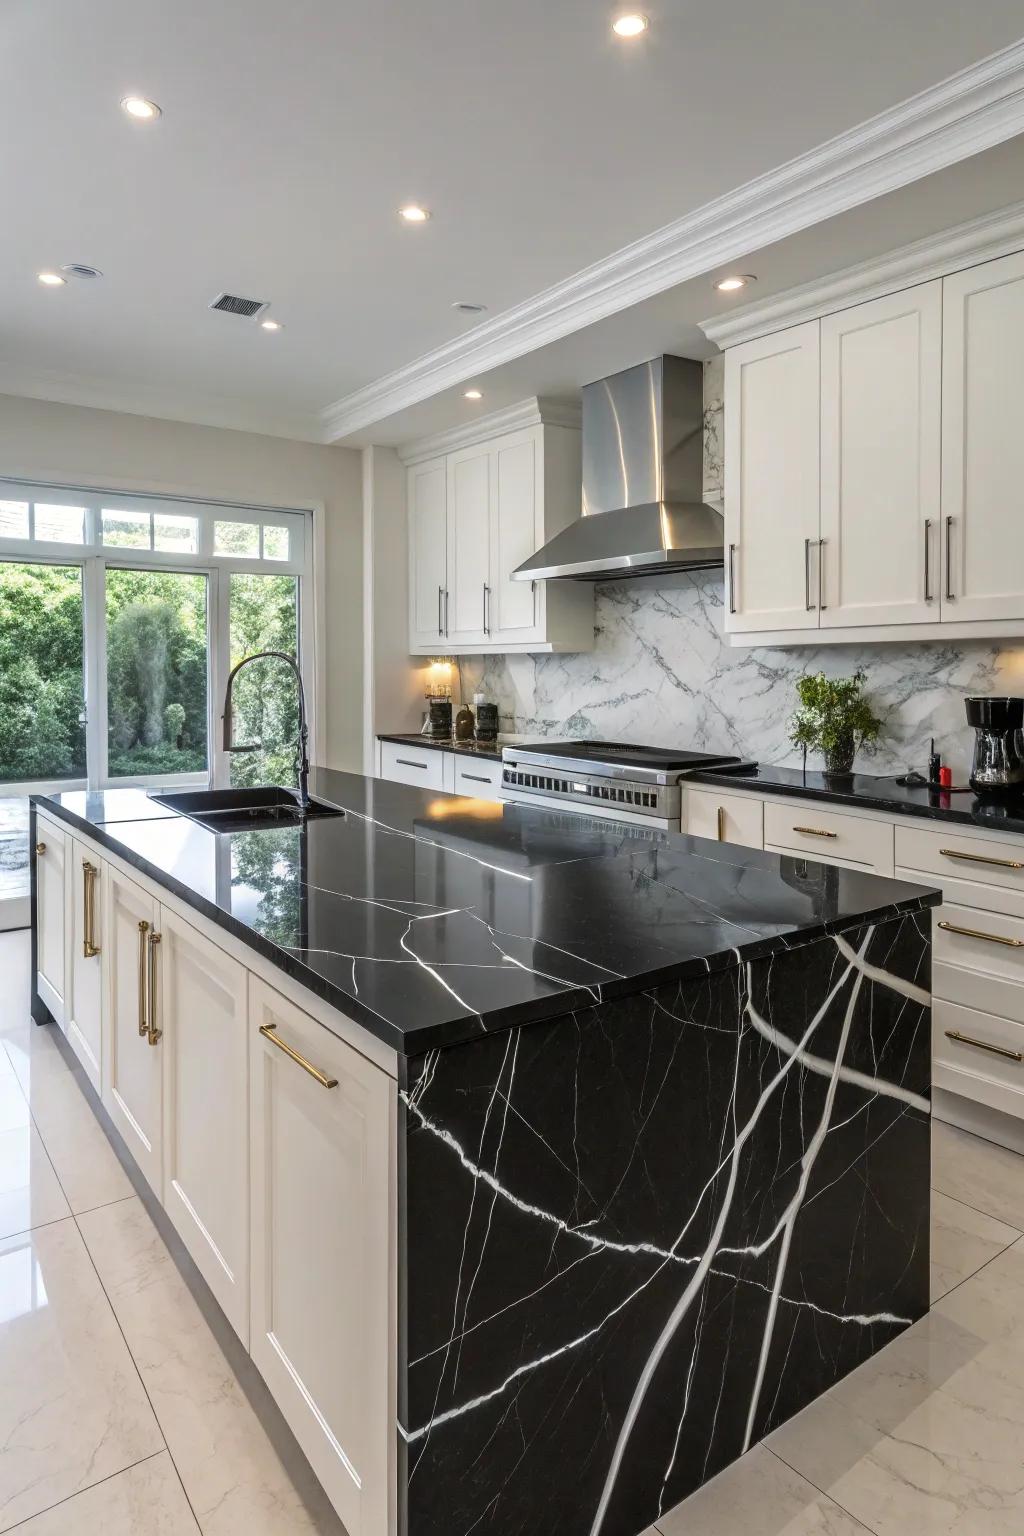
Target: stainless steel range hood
pixel 643 512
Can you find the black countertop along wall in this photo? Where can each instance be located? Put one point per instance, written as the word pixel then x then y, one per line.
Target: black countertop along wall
pixel 488 749
pixel 431 919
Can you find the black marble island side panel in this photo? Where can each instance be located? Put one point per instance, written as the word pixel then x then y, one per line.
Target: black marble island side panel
pixel 635 1239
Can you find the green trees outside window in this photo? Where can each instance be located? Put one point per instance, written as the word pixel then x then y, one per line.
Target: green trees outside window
pixel 41 689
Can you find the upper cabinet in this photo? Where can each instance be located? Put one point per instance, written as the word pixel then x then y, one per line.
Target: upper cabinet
pixel 477 509
pixel 872 465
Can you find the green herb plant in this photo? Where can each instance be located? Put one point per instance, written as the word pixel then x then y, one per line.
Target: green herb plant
pixel 834 718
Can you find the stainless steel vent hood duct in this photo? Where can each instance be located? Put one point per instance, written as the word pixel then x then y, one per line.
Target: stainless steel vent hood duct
pixel 643 512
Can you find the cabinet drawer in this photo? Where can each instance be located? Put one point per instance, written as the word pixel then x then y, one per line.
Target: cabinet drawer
pixel 477 777
pixel 996 865
pixel 423 766
pixel 726 818
pixel 979 1055
pixel 800 826
pixel 979 959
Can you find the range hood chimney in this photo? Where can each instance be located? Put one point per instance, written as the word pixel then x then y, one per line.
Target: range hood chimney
pixel 643 509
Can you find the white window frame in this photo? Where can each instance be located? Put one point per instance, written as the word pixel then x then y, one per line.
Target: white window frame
pixel 95 559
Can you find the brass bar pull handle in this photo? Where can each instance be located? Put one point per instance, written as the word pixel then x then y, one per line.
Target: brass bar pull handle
pixel 821 574
pixel 981 858
pixel 815 832
pixel 732 578
pixel 89 945
pixel 979 933
pixel 269 1032
pixel 984 1045
pixel 153 1032
pixel 950 594
pixel 720 820
pixel 40 849
pixel 927 559
pixel 807 574
pixel 143 1022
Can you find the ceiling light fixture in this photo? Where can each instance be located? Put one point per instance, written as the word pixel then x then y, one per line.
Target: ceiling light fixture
pixel 473 394
pixel 631 24
pixel 734 282
pixel 271 325
pixel 80 269
pixel 413 213
pixel 139 107
pixel 52 279
pixel 466 308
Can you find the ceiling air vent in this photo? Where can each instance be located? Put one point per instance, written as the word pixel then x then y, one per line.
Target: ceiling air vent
pixel 232 304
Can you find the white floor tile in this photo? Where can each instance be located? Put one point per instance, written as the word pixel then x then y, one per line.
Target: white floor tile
pixel 233 1477
pixel 30 1195
pixel 979 1173
pixel 147 1500
pixel 758 1496
pixel 72 1408
pixel 14 968
pixel 963 1239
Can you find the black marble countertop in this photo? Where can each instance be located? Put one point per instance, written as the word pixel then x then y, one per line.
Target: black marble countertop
pixel 489 749
pixel 879 793
pixel 431 919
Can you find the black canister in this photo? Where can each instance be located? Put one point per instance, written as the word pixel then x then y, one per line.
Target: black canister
pixel 998 766
pixel 439 720
pixel 486 721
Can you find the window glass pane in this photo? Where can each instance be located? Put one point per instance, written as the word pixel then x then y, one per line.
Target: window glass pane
pixel 275 542
pixel 176 534
pixel 60 525
pixel 236 539
pixel 156 672
pixel 126 530
pixel 263 616
pixel 41 696
pixel 13 519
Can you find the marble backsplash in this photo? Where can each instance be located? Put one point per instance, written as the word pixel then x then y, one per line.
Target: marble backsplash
pixel 662 674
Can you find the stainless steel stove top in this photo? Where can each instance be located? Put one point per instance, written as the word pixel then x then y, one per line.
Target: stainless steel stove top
pixel 610 776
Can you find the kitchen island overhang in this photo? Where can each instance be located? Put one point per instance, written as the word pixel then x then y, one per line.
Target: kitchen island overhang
pixel 641 1218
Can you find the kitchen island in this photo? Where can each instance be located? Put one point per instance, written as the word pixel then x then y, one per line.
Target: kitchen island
pixel 576 1156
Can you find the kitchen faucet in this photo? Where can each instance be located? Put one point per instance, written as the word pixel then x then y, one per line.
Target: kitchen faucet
pixel 302 746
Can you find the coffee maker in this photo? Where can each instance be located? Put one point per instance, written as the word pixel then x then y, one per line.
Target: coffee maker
pixel 998 766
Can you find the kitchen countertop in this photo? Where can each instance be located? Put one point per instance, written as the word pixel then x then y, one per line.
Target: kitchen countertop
pixel 489 749
pixel 431 919
pixel 878 793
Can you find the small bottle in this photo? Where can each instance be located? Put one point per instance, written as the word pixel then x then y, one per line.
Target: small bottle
pixel 464 724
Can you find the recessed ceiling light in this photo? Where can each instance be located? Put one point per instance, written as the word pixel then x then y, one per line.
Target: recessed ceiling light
pixel 413 213
pixel 631 24
pixel 139 107
pixel 80 269
pixel 466 308
pixel 271 325
pixel 734 281
pixel 473 394
pixel 52 279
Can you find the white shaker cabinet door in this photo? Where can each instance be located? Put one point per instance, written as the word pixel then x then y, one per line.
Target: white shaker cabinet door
pixel 512 606
pixel 470 493
pixel 85 960
pixel 983 442
pixel 881 416
pixel 772 425
pixel 206 1109
pixel 428 576
pixel 323 1126
pixel 50 855
pixel 132 1050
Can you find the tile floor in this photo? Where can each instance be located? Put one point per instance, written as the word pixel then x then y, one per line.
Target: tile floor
pixel 121 1414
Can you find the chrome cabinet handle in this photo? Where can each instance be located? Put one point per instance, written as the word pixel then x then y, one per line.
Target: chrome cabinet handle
pixel 821 573
pixel 950 594
pixel 984 1045
pixel 927 559
pixel 720 822
pixel 807 574
pixel 143 1024
pixel 446 611
pixel 815 832
pixel 407 762
pixel 981 858
pixel 153 1032
pixel 89 946
pixel 40 849
pixel 478 778
pixel 487 609
pixel 440 610
pixel 979 933
pixel 269 1032
pixel 732 578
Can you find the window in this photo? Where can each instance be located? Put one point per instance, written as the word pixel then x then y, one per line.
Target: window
pixel 42 674
pixel 157 664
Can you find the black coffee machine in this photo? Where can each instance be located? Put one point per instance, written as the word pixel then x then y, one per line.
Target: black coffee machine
pixel 998 767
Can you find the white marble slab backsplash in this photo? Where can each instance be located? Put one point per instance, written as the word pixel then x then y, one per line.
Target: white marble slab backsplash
pixel 661 673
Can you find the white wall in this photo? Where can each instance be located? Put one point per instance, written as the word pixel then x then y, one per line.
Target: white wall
pixel 74 444
pixel 392 680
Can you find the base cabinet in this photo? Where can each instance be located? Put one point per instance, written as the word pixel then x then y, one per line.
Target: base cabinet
pixel 84 1000
pixel 50 856
pixel 323 1132
pixel 132 1058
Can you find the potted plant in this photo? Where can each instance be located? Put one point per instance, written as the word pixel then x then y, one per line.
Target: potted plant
pixel 834 718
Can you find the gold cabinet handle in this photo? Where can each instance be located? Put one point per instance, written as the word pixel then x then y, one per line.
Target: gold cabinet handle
pixel 979 933
pixel 980 858
pixel 815 832
pixel 984 1045
pixel 269 1032
pixel 153 1033
pixel 40 849
pixel 143 1025
pixel 720 821
pixel 89 945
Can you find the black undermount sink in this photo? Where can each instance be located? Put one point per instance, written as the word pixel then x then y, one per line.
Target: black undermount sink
pixel 243 810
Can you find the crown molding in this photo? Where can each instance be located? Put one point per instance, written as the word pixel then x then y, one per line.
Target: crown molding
pixel 967 245
pixel 534 412
pixel 973 110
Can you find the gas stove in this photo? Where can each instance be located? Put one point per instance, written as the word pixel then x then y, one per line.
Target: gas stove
pixel 614 778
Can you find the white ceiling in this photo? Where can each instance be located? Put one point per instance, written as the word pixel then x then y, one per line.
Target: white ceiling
pixel 291 134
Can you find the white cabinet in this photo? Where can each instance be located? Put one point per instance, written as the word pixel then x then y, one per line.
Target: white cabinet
pixel 881 418
pixel 323 1126
pixel 722 817
pixel 983 442
pixel 475 514
pixel 84 998
pixel 424 767
pixel 132 1057
pixel 50 856
pixel 771 481
pixel 477 777
pixel 204 1058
